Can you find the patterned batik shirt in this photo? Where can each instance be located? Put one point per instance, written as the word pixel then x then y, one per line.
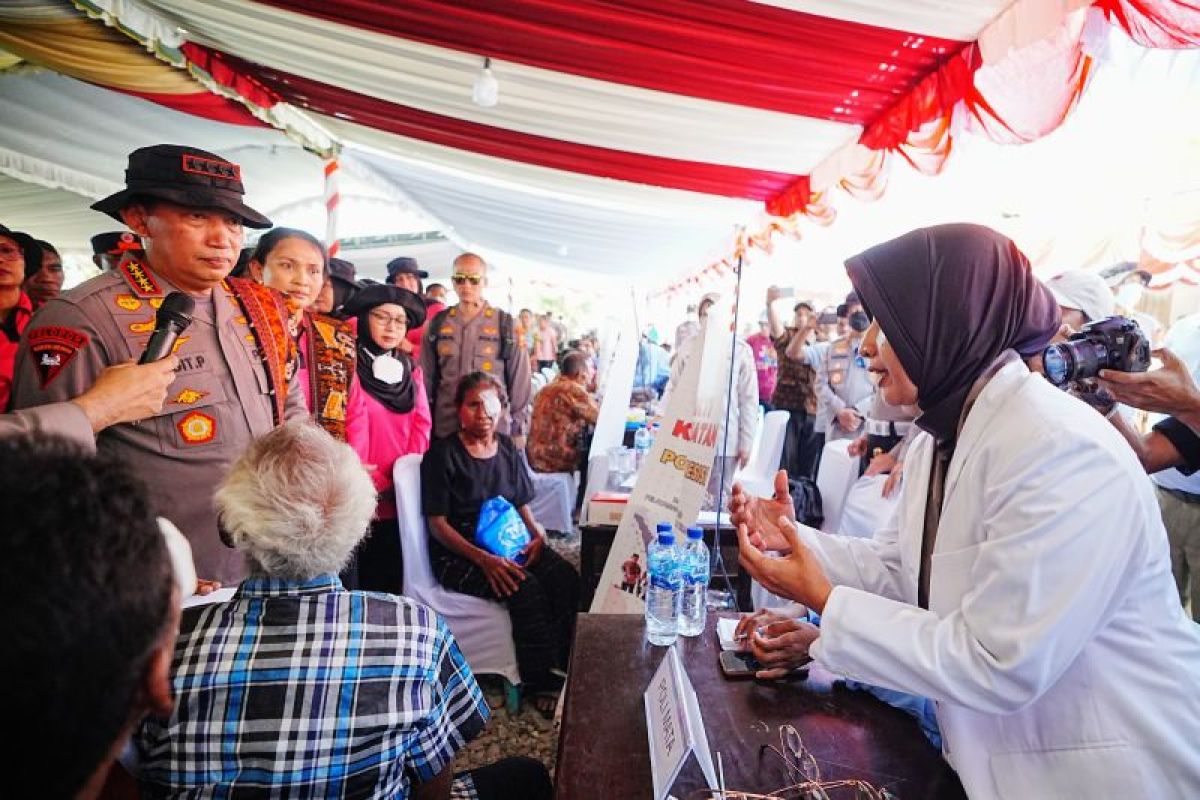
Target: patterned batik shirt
pixel 306 690
pixel 561 413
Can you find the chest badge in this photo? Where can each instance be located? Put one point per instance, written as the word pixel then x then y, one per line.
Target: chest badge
pixel 127 302
pixel 197 428
pixel 189 396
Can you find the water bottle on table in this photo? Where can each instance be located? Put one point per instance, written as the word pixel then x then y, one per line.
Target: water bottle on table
pixel 641 445
pixel 663 588
pixel 694 560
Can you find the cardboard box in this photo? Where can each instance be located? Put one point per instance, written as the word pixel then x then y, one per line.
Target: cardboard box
pixel 606 508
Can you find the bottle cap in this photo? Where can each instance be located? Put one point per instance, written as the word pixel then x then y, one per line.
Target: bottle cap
pixel 666 538
pixel 695 532
pixel 665 526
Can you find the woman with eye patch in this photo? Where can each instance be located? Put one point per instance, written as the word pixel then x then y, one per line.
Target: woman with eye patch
pixel 461 473
pixel 398 422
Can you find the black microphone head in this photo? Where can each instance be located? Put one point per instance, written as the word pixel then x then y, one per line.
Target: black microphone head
pixel 176 309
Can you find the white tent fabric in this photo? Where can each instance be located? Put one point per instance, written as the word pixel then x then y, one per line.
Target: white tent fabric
pixel 524 215
pixel 536 101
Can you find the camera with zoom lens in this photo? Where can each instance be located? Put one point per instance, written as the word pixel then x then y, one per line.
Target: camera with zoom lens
pixel 1115 343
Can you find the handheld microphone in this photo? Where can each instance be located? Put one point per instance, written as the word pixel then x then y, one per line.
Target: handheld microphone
pixel 172 319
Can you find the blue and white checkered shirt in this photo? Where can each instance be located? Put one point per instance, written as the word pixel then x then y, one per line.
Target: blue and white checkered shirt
pixel 306 690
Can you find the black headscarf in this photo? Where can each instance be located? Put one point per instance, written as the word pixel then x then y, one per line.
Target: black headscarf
pixel 950 300
pixel 399 397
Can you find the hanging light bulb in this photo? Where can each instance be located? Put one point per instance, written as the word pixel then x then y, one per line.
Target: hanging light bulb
pixel 486 91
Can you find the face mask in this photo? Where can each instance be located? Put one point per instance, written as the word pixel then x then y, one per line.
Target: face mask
pixel 491 404
pixel 859 321
pixel 387 368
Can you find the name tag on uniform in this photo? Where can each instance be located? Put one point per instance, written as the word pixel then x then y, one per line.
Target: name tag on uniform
pixel 674 727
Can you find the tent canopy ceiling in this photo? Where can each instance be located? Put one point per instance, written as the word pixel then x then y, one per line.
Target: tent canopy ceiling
pixel 631 137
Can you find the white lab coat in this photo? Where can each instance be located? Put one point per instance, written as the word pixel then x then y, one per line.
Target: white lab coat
pixel 1055 647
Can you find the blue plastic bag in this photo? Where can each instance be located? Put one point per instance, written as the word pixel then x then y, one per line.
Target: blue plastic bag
pixel 500 529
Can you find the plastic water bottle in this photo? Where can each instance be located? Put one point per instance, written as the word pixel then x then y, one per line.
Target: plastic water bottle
pixel 641 445
pixel 663 590
pixel 694 560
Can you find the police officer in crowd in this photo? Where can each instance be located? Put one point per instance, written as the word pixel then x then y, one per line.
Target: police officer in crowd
pixel 474 337
pixel 232 382
pixel 843 382
pixel 109 248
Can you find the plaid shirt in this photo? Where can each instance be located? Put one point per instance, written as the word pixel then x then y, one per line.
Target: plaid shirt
pixel 306 690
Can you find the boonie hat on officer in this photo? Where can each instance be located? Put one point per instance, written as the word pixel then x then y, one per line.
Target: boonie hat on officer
pixel 115 243
pixel 378 294
pixel 405 265
pixel 184 175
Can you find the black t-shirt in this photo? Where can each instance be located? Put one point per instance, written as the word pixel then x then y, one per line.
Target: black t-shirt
pixel 1186 441
pixel 455 484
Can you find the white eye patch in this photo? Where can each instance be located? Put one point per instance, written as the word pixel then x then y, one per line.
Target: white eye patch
pixel 491 404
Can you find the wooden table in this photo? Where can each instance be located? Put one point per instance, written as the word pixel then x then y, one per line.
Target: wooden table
pixel 602 745
pixel 595 541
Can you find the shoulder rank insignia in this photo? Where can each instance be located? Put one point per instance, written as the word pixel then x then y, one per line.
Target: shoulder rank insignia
pixel 53 347
pixel 197 428
pixel 139 278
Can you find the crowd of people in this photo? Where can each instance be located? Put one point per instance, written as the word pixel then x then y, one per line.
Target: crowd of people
pixel 1026 585
pixel 267 436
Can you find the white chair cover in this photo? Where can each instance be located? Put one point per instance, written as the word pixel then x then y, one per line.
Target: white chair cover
pixel 482 627
pixel 837 474
pixel 759 476
pixel 866 509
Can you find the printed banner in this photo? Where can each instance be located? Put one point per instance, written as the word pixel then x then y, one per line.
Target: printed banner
pixel 673 483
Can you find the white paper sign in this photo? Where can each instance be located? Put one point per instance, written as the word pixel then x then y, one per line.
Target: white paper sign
pixel 674 726
pixel 673 483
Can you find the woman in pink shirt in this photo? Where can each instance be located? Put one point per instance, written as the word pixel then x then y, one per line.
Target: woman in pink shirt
pixel 294 262
pixel 397 415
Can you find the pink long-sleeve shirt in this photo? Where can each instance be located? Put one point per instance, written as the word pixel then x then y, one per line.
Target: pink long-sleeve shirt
pixel 388 436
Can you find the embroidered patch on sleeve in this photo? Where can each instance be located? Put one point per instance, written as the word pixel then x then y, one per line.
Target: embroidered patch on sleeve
pixel 197 428
pixel 52 348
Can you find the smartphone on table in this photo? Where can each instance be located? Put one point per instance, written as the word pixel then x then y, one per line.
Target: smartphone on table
pixel 738 664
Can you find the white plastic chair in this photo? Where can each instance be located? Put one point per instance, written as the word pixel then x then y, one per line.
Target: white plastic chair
pixel 758 478
pixel 837 474
pixel 482 627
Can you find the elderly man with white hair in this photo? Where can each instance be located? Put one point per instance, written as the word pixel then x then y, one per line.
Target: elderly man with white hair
pixel 297 687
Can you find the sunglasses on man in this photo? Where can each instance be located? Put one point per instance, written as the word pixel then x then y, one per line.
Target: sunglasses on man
pixel 462 277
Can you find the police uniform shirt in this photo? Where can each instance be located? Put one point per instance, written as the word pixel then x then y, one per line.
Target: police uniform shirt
pixel 843 381
pixel 219 401
pixel 454 348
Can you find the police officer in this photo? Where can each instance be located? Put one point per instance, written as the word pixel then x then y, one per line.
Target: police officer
pixel 844 384
pixel 232 380
pixel 474 337
pixel 109 248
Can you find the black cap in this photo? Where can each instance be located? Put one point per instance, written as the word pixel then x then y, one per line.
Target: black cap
pixel 404 265
pixel 115 243
pixel 31 251
pixel 184 175
pixel 378 293
pixel 344 271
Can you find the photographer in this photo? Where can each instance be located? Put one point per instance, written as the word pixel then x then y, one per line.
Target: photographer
pixel 1173 442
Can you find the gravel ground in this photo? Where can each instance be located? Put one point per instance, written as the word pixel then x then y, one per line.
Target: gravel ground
pixel 526 733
